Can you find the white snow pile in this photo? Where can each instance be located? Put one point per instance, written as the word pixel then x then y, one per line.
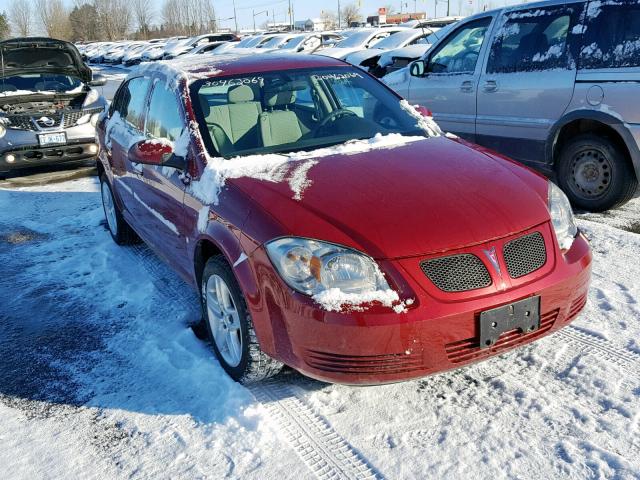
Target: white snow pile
pixel 427 124
pixel 335 300
pixel 290 167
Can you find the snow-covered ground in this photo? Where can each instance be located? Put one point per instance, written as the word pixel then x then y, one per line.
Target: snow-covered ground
pixel 102 377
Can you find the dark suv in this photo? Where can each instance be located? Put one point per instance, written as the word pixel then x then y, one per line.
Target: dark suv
pixel 554 84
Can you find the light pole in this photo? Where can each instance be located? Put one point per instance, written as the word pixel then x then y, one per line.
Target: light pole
pixel 255 15
pixel 339 23
pixel 235 16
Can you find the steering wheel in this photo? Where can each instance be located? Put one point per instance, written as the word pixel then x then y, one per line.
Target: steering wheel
pixel 333 116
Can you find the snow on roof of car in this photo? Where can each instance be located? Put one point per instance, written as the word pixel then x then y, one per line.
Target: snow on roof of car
pixel 228 64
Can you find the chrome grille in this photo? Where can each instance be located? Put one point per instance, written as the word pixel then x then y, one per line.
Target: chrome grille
pixel 64 119
pixel 525 255
pixel 457 273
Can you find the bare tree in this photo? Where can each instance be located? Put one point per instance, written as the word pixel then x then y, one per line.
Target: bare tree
pixel 143 14
pixel 115 18
pixel 188 17
pixel 329 20
pixel 351 13
pixel 54 18
pixel 20 16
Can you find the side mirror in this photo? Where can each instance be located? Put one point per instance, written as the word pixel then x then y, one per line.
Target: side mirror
pixel 418 68
pixel 424 111
pixel 98 80
pixel 155 152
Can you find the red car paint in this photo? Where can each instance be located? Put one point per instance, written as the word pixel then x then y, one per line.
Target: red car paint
pixel 418 201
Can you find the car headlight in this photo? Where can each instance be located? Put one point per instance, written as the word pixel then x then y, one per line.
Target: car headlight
pixel 562 217
pixel 312 266
pixel 92 97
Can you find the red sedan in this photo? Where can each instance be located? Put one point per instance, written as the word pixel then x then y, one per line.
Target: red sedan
pixel 330 226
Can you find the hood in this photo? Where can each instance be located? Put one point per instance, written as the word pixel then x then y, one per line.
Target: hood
pixel 19 56
pixel 335 52
pixel 422 197
pixel 410 51
pixel 357 58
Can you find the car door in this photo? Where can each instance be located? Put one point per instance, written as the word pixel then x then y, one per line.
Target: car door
pixel 162 191
pixel 528 81
pixel 448 86
pixel 125 126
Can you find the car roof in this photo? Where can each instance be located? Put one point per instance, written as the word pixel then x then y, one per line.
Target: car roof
pixel 223 65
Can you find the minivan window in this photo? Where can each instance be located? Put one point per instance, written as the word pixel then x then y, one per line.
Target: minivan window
pixel 460 51
pixel 531 40
pixel 611 36
pixel 163 119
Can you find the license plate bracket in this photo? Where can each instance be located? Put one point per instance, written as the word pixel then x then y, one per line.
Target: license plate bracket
pixel 523 315
pixel 47 139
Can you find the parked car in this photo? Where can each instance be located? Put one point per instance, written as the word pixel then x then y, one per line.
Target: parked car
pixel 416 38
pixel 135 56
pixel 187 45
pixel 329 225
pixel 308 42
pixel 359 40
pixel 207 48
pixel 48 110
pixel 551 84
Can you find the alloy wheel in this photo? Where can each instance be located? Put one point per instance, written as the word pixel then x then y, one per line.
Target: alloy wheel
pixel 224 320
pixel 109 208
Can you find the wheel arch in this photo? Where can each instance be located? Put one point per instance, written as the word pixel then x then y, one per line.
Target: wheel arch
pixel 595 122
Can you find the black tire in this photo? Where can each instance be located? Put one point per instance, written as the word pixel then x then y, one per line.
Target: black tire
pixel 120 230
pixel 255 365
pixel 595 174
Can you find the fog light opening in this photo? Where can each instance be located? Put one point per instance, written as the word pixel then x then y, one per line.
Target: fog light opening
pixel 93 148
pixel 10 158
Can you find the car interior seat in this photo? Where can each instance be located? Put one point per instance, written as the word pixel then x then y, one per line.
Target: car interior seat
pixel 234 125
pixel 279 125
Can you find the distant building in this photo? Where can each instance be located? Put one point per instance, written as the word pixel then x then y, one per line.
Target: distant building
pixel 395 19
pixel 278 26
pixel 310 25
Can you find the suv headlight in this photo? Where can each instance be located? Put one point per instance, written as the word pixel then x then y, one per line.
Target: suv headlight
pixel 312 266
pixel 92 97
pixel 562 217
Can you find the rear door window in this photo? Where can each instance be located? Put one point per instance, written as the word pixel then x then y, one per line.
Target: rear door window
pixel 532 40
pixel 611 35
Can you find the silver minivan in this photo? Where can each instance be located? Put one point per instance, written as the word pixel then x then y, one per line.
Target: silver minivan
pixel 554 84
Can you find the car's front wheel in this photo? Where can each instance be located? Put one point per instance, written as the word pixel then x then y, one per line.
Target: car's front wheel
pixel 119 229
pixel 595 174
pixel 230 327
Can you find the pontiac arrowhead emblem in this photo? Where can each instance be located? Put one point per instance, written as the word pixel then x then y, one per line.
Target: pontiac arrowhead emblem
pixel 492 256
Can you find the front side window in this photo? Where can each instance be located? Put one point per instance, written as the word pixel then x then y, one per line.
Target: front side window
pixel 531 40
pixel 460 51
pixel 163 119
pixel 295 110
pixel 130 102
pixel 611 35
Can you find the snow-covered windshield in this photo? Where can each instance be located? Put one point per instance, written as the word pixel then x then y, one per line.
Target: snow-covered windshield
pixel 248 42
pixel 294 42
pixel 296 110
pixel 38 82
pixel 355 40
pixel 274 42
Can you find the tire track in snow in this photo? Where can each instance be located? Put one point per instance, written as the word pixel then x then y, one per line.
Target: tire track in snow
pixel 327 454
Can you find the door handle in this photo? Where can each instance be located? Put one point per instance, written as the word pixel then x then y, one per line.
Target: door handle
pixel 467 86
pixel 490 86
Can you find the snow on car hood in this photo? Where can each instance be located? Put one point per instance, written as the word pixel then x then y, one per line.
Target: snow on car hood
pixel 429 195
pixel 357 58
pixel 42 55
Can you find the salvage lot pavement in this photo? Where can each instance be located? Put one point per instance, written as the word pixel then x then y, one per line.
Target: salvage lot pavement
pixel 102 376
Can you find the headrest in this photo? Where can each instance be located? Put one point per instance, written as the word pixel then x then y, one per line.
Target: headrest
pixel 241 93
pixel 285 97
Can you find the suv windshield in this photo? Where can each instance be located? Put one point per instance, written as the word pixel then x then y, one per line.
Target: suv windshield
pixel 295 110
pixel 39 82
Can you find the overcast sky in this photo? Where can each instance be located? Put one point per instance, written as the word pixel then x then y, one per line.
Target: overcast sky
pixel 304 9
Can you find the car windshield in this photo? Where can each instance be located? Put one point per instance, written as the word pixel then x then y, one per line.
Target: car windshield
pixel 248 42
pixel 354 40
pixel 39 82
pixel 294 42
pixel 296 110
pixel 396 40
pixel 274 42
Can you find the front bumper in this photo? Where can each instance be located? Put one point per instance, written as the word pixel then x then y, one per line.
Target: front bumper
pixel 436 334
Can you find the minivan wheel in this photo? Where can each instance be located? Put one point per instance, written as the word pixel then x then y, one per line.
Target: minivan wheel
pixel 230 327
pixel 595 174
pixel 119 229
